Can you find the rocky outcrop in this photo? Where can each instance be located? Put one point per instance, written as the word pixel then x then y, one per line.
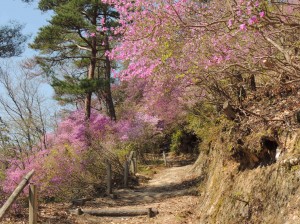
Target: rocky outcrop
pixel 266 193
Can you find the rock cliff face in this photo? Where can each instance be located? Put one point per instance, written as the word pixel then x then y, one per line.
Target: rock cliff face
pixel 265 189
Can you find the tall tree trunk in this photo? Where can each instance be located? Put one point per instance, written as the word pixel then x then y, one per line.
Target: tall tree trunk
pixel 88 103
pixel 107 89
pixel 107 76
pixel 88 98
pixel 91 70
pixel 108 95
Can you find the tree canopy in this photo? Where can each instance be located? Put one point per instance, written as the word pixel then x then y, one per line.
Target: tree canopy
pixel 12 40
pixel 78 36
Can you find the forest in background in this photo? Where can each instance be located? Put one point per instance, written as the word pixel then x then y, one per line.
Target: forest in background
pixel 143 75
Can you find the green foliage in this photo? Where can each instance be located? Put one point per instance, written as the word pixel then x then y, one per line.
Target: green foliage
pixel 71 86
pixel 65 166
pixel 11 40
pixel 295 168
pixel 123 150
pixel 176 141
pixel 146 170
pixel 75 41
pixel 207 124
pixel 184 141
pixel 75 86
pixel 167 52
pixel 2 174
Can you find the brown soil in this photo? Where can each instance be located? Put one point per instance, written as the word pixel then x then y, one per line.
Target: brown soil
pixel 172 191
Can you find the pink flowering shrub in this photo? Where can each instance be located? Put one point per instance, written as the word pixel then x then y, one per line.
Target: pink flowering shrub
pixel 70 162
pixel 73 130
pixel 63 160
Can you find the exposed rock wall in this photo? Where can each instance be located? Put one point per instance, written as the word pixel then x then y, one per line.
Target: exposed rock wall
pixel 267 193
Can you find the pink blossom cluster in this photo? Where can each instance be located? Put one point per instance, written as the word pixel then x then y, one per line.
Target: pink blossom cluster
pixel 142 25
pixel 63 159
pixel 247 13
pixel 73 130
pixel 147 26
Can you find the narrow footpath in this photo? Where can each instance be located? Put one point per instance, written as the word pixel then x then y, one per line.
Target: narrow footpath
pixel 172 192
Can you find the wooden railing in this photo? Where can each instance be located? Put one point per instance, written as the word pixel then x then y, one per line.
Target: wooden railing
pixel 130 167
pixel 33 202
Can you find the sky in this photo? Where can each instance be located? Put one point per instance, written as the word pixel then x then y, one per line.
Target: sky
pixel 26 14
pixel 32 19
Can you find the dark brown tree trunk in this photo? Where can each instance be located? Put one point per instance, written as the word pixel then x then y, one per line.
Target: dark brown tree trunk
pixel 107 89
pixel 88 104
pixel 88 98
pixel 108 96
pixel 91 70
pixel 107 77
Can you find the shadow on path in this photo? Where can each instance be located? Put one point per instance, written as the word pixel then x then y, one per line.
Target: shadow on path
pixel 167 184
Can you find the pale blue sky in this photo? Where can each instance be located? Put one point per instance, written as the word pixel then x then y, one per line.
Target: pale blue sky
pixel 26 14
pixel 32 19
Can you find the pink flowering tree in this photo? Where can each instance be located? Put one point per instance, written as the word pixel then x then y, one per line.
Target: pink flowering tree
pixel 210 45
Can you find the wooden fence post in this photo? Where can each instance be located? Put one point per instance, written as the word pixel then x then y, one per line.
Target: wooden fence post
pixel 33 204
pixel 126 172
pixel 15 194
pixel 108 178
pixel 131 166
pixel 134 163
pixel 131 154
pixel 165 158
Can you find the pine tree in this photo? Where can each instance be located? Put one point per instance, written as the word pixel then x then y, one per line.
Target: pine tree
pixel 78 35
pixel 11 40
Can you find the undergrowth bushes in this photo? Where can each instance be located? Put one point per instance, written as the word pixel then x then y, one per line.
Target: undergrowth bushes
pixel 73 165
pixel 207 124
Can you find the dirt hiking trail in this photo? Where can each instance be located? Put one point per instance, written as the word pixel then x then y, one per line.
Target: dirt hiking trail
pixel 171 191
